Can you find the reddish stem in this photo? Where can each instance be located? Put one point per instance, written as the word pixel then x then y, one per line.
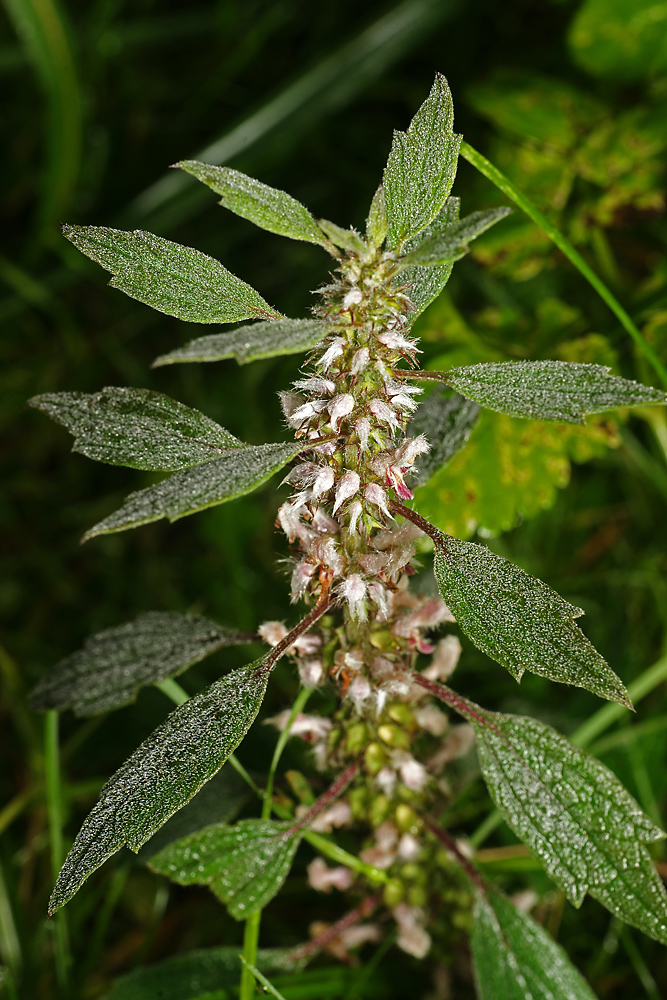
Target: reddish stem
pixel 349 920
pixel 452 846
pixel 456 701
pixel 341 782
pixel 421 522
pixel 324 603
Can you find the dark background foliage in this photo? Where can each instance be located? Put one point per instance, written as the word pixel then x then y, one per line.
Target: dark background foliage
pixel 100 96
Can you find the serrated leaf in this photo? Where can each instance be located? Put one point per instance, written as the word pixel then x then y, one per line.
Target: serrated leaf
pixel 269 208
pixel 136 427
pixel 376 223
pixel 114 664
pixel 421 167
pixel 447 421
pixel 451 243
pixel 515 959
pixel 250 342
pixel 346 239
pixel 424 284
pixel 519 620
pixel 233 474
pixel 570 810
pixel 176 280
pixel 244 865
pixel 637 895
pixel 550 390
pixel 164 773
pixel 203 972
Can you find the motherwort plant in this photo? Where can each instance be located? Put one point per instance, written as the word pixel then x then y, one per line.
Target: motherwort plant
pixel 361 441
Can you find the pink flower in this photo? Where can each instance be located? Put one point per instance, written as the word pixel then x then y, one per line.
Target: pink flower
pixel 376 495
pixel 347 487
pixel 324 879
pixel 339 407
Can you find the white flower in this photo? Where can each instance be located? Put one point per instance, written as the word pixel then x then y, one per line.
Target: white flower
pixel 360 360
pixel 431 720
pixel 353 590
pixel 444 660
pixel 307 644
pixel 310 727
pixel 386 780
pixel 363 428
pixel 272 632
pixel 359 691
pixel 302 574
pixel 311 673
pixel 337 815
pixel 325 524
pixel 324 879
pixel 376 495
pixel 396 342
pixel 347 487
pixel 334 351
pixel 291 521
pixel 378 594
pixel 412 938
pixel 413 774
pixel 339 407
pixel 355 512
pixel 383 412
pixel 353 298
pixel 316 385
pixel 408 847
pixel 325 551
pixel 323 481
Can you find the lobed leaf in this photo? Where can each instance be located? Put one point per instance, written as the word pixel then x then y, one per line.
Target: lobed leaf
pixel 171 278
pixel 244 865
pixel 424 284
pixel 235 473
pixel 164 773
pixel 516 959
pixel 451 243
pixel 447 421
pixel 250 342
pixel 269 208
pixel 518 620
pixel 114 664
pixel 421 167
pixel 550 390
pixel 136 427
pixel 574 815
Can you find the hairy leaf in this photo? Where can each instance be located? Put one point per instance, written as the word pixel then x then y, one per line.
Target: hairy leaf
pixel 269 208
pixel 447 421
pixel 250 342
pixel 244 865
pixel 173 279
pixel 204 972
pixel 574 815
pixel 550 390
pixel 233 474
pixel 515 959
pixel 136 427
pixel 421 167
pixel 376 223
pixel 164 773
pixel 518 620
pixel 347 239
pixel 424 284
pixel 114 664
pixel 452 243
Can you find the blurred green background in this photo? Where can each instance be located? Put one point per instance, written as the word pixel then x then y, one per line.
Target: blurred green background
pixel 99 97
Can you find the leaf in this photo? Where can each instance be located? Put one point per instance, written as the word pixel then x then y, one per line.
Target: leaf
pixel 376 223
pixel 451 243
pixel 136 427
pixel 114 664
pixel 204 972
pixel 173 279
pixel 250 342
pixel 421 167
pixel 620 40
pixel 244 865
pixel 233 474
pixel 424 284
pixel 550 390
pixel 518 620
pixel 447 421
pixel 515 959
pixel 346 239
pixel 269 208
pixel 574 815
pixel 164 773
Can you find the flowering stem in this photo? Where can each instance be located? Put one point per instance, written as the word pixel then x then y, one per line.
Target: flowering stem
pixel 324 603
pixel 349 920
pixel 341 782
pixel 454 849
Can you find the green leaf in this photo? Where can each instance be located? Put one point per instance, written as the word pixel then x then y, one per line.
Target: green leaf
pixel 424 284
pixel 346 239
pixel 204 972
pixel 550 390
pixel 621 40
pixel 421 167
pixel 136 427
pixel 452 243
pixel 114 664
pixel 376 223
pixel 447 421
pixel 574 815
pixel 269 208
pixel 518 620
pixel 164 773
pixel 251 342
pixel 173 279
pixel 515 959
pixel 233 474
pixel 244 865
